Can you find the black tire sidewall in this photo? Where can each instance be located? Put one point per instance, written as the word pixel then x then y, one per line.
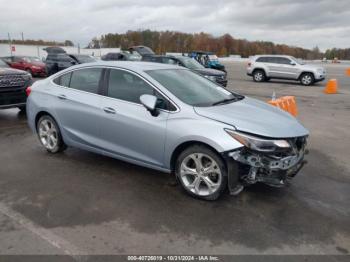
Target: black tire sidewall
pixel 60 144
pixel 212 154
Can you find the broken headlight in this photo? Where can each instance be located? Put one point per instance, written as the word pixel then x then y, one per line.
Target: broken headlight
pixel 259 144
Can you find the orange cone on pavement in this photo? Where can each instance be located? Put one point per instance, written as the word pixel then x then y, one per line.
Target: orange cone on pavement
pixel 331 87
pixel 348 71
pixel 286 103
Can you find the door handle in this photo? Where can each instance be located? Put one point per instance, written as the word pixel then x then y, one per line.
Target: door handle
pixel 63 97
pixel 109 110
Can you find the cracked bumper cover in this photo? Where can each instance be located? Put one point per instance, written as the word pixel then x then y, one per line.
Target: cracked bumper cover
pixel 267 168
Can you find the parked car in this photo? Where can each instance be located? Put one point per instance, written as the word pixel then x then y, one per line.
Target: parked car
pixel 265 67
pixel 56 62
pixel 141 50
pixel 170 119
pixel 207 59
pixel 33 65
pixel 13 84
pixel 121 56
pixel 81 59
pixel 212 74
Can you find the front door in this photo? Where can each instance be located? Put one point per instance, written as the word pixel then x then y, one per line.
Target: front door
pixel 128 129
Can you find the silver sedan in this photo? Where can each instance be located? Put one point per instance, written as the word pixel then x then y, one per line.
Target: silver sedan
pixel 170 119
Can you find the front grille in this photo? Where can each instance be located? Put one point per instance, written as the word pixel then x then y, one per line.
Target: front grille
pixel 12 81
pixel 15 96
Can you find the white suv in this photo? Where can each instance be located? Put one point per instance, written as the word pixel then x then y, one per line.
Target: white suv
pixel 264 67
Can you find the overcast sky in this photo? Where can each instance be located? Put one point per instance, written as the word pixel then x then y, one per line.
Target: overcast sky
pixel 305 23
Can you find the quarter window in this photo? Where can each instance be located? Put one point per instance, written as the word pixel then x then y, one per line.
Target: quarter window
pixel 86 80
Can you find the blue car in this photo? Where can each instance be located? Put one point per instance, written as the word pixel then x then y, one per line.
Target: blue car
pixel 171 119
pixel 207 59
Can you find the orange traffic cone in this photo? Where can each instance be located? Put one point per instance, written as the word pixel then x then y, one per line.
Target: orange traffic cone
pixel 331 87
pixel 286 103
pixel 348 71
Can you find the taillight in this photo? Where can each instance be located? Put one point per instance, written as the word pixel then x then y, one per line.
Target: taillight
pixel 28 90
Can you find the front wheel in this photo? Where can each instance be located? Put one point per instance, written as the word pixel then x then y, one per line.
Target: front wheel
pixel 201 172
pixel 307 79
pixel 50 135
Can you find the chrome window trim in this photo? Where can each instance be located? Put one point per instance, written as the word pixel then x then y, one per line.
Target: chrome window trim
pixel 120 100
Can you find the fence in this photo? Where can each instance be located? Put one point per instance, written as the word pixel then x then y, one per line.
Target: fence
pixel 33 50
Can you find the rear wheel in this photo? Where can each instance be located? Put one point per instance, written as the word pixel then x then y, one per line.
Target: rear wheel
pixel 307 79
pixel 259 76
pixel 201 172
pixel 50 135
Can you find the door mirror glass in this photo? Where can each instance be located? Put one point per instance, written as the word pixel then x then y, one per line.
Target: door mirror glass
pixel 292 63
pixel 149 102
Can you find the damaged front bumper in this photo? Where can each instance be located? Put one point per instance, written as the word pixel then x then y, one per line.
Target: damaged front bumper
pixel 273 168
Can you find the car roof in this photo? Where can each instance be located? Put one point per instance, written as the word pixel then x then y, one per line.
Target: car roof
pixel 287 56
pixel 131 65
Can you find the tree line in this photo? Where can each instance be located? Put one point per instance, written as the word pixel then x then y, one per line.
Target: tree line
pixel 225 45
pixel 37 42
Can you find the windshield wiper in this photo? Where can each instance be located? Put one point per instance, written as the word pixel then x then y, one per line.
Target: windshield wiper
pixel 225 101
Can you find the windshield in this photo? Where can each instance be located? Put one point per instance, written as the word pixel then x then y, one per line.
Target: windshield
pixel 213 58
pixel 32 59
pixel 85 59
pixel 192 88
pixel 3 64
pixel 190 63
pixel 134 57
pixel 298 61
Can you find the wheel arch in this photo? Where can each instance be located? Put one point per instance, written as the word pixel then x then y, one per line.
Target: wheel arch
pixel 260 69
pixel 306 72
pixel 181 147
pixel 39 115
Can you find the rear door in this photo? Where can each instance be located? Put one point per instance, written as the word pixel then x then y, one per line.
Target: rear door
pixel 128 129
pixel 78 105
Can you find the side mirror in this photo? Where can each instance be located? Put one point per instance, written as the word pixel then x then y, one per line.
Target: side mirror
pixel 150 102
pixel 292 63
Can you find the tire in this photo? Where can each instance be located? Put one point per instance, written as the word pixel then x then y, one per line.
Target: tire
pixel 307 79
pixel 22 108
pixel 190 172
pixel 259 76
pixel 49 135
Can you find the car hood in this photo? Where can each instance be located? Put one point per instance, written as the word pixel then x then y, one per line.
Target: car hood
pixel 312 67
pixel 11 71
pixel 210 72
pixel 255 117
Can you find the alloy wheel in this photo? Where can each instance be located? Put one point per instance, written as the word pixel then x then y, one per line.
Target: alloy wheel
pixel 48 134
pixel 258 77
pixel 200 174
pixel 306 79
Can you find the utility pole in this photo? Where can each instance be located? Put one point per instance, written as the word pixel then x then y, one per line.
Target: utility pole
pixel 22 37
pixel 10 45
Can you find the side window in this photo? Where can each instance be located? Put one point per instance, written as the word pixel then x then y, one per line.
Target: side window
pixel 126 86
pixel 261 60
pixel 86 80
pixel 284 60
pixel 63 80
pixel 129 87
